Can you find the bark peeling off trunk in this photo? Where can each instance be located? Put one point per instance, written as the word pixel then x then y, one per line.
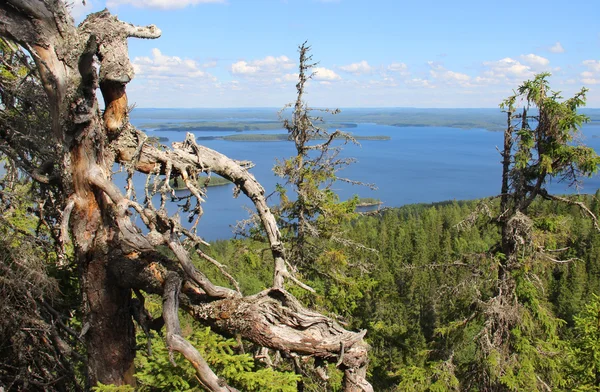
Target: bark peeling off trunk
pixel 111 335
pixel 275 319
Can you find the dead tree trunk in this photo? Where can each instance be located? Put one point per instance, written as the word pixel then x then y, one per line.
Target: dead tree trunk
pixel 112 254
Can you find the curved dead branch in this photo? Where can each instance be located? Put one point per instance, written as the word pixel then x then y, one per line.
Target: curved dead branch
pixel 188 156
pixel 275 319
pixel 176 342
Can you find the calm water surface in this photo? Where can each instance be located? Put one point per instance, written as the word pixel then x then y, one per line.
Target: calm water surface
pixel 418 165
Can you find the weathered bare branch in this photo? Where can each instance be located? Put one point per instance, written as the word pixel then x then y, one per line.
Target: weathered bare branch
pixel 189 155
pixel 275 319
pixel 176 342
pixel 579 204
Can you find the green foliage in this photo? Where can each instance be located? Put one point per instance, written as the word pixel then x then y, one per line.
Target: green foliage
pixel 314 213
pixel 157 373
pixel 430 277
pixel 436 377
pixel 112 388
pixel 584 353
pixel 546 141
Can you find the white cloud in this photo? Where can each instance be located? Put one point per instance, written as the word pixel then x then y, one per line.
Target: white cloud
pixel 357 68
pixel 592 75
pixel 401 68
pixel 588 77
pixel 507 68
pixel 590 81
pixel 440 73
pixel 160 4
pixel 290 77
pixel 418 82
pixel 171 81
pixel 535 61
pixel 557 48
pixel 243 68
pixel 160 66
pixel 325 74
pixel 210 64
pixel 593 65
pixel 457 76
pixel 483 80
pixel 268 66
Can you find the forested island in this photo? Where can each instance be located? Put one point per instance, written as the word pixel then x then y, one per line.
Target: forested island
pixel 108 286
pixel 178 183
pixel 269 137
pixel 229 126
pixel 368 202
pixel 490 119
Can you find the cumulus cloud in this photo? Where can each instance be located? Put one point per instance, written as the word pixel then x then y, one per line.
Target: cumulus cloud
pixel 160 4
pixel 535 61
pixel 171 81
pixel 455 76
pixel 588 77
pixel 160 66
pixel 557 48
pixel 243 68
pixel 210 64
pixel 290 77
pixel 269 65
pixel 440 73
pixel 592 75
pixel 419 82
pixel 401 68
pixel 357 68
pixel 507 68
pixel 325 74
pixel 593 65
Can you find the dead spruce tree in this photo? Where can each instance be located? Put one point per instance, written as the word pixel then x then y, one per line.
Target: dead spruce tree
pixel 314 212
pixel 310 213
pixel 114 257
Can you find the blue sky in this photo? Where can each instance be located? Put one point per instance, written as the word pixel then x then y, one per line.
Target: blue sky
pixel 376 53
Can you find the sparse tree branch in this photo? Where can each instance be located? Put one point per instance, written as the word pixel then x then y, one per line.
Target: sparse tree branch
pixel 579 204
pixel 190 156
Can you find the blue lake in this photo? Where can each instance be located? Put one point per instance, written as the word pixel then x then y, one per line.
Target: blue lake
pixel 418 165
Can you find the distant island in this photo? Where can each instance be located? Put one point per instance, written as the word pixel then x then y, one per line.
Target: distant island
pixel 203 181
pixel 230 126
pixel 368 202
pixel 157 139
pixel 249 119
pixel 270 137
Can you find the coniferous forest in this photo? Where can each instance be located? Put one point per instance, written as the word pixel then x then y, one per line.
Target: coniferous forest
pixel 103 288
